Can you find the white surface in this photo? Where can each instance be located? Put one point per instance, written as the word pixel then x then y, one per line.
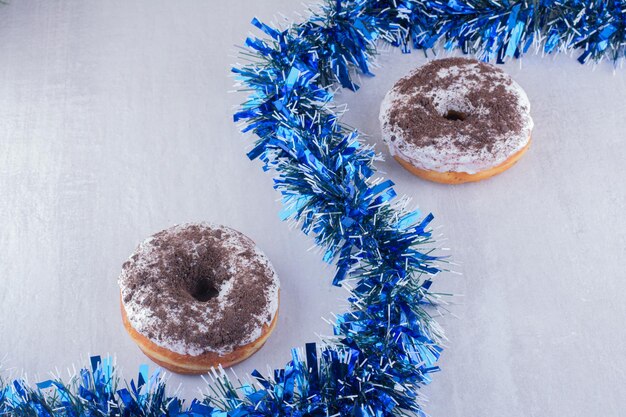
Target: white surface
pixel 116 123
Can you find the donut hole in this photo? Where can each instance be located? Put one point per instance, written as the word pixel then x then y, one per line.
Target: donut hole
pixel 455 115
pixel 203 290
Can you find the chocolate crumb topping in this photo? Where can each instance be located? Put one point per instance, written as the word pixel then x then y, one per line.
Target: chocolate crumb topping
pixel 456 114
pixel 197 288
pixel 488 111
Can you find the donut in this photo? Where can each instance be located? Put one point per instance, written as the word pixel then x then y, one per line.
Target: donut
pixel 198 295
pixel 456 120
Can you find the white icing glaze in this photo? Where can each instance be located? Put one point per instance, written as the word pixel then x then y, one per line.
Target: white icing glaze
pixel 443 155
pixel 143 318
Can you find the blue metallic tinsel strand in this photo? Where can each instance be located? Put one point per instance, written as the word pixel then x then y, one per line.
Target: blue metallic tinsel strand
pixel 387 345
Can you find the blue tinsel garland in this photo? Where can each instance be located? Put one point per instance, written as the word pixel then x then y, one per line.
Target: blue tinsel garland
pixel 386 346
